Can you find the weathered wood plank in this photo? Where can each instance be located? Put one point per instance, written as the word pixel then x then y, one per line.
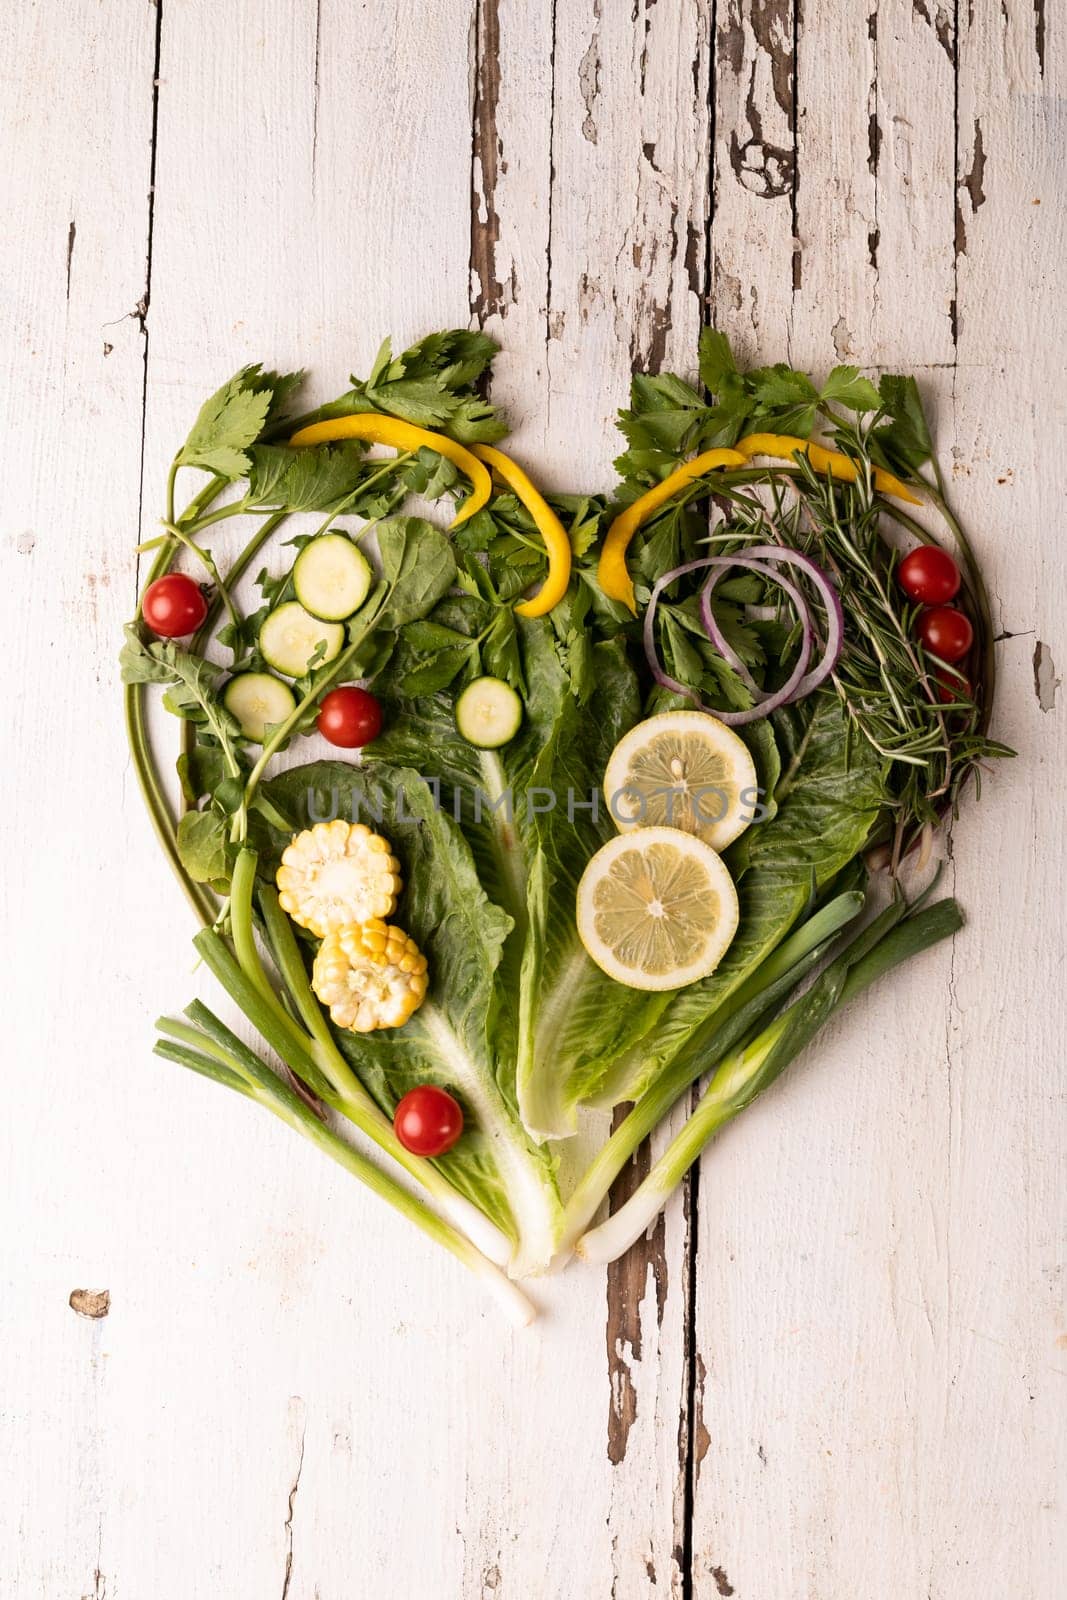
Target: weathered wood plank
pixel 877 1360
pixel 854 1345
pixel 72 275
pixel 1004 1217
pixel 587 258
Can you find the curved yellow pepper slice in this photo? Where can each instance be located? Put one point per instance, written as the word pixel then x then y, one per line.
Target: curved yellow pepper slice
pixel 785 447
pixel 376 429
pixel 551 529
pixel 611 568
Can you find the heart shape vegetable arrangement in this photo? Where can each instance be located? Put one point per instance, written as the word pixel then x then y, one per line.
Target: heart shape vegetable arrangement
pixel 453 942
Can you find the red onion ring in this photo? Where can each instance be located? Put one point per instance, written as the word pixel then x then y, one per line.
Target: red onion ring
pixel 722 644
pixel 765 560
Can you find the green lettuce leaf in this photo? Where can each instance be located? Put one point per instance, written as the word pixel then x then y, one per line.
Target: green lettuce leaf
pixel 462 1037
pixel 531 846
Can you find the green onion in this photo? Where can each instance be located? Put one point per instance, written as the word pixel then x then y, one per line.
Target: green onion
pixel 890 939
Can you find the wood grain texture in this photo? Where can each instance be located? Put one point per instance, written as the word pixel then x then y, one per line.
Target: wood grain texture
pixel 837 1366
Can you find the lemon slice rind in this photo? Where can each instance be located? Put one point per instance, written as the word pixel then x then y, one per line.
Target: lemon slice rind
pixel 698 909
pixel 701 795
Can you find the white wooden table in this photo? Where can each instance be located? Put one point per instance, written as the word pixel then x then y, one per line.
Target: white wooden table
pixel 838 1370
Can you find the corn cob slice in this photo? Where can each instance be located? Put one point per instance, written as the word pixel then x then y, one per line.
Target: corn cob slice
pixel 337 873
pixel 370 975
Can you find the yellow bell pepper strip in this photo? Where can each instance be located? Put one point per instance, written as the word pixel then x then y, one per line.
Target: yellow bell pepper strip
pixel 551 529
pixel 785 446
pixel 611 569
pixel 376 429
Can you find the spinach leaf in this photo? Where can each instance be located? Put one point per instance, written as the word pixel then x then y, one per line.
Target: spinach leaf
pixel 417 564
pixel 204 846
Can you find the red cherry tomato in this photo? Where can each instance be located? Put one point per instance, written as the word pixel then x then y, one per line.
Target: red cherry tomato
pixel 350 717
pixel 428 1121
pixel 952 686
pixel 173 606
pixel 929 574
pixel 945 632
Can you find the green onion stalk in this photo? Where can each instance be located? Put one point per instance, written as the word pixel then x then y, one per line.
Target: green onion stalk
pixel 205 1045
pixel 318 1071
pixel 893 937
pixel 749 1005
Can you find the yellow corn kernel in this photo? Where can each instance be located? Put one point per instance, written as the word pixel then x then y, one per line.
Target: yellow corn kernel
pixel 338 873
pixel 370 975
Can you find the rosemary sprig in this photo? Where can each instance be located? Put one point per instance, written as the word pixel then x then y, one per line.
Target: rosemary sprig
pixel 887 682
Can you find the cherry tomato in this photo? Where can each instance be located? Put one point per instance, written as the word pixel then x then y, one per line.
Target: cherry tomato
pixel 929 574
pixel 428 1121
pixel 945 632
pixel 173 606
pixel 350 717
pixel 952 686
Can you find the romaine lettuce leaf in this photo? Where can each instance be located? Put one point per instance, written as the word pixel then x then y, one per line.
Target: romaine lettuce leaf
pixel 462 1037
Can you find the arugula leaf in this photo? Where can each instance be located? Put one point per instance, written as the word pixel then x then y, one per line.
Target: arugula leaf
pixel 193 686
pixel 231 420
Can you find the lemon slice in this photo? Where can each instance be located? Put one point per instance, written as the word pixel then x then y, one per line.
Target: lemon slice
pixel 683 769
pixel 657 909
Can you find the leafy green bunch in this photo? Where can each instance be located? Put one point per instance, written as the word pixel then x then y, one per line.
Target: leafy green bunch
pixel 519 1024
pixel 668 419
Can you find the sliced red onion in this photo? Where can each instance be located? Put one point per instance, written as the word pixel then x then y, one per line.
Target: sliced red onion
pixel 765 560
pixel 648 632
pixel 722 644
pixel 835 616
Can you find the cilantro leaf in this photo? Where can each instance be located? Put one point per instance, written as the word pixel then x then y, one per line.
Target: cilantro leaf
pixel 717 365
pixel 231 420
pixel 781 385
pixel 432 385
pixel 848 388
pixel 304 479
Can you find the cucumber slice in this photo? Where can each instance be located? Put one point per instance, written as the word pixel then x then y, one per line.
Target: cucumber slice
pixel 291 636
pixel 331 577
pixel 258 701
pixel 488 713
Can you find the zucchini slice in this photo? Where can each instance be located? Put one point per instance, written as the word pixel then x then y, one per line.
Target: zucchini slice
pixel 332 578
pixel 291 636
pixel 488 713
pixel 258 701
